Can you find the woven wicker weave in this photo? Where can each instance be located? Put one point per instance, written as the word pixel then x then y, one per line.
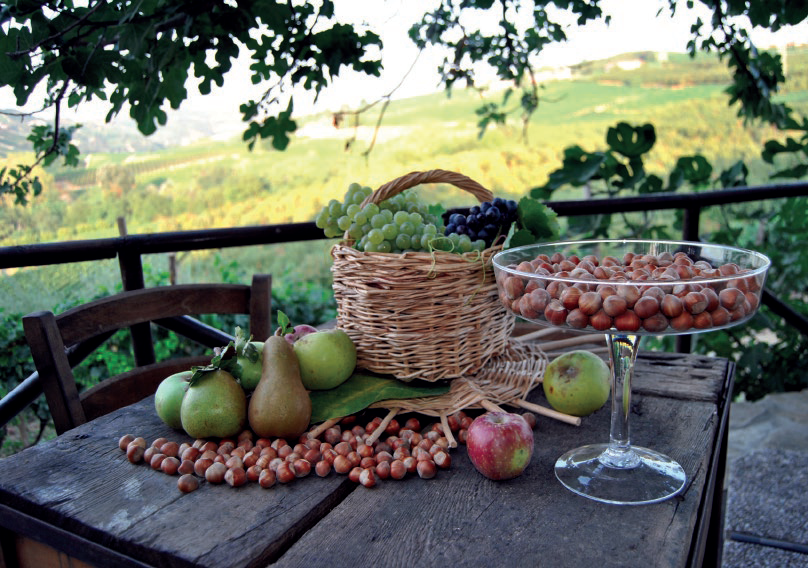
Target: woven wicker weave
pixel 507 379
pixel 421 315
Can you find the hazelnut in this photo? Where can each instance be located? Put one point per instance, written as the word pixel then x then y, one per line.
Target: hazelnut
pixel 525 266
pixel 235 477
pixel 569 297
pixel 654 292
pixel 728 269
pixel 702 320
pixel 695 302
pixel 170 465
pixel 614 305
pixel 125 441
pixel 577 318
pixel 627 321
pixel 602 273
pixel 586 265
pixel 731 298
pixel 671 306
pixel 555 312
pixel 655 323
pixel 533 284
pixel 646 307
pixel 555 288
pixel 738 313
pixel 215 473
pixel 606 290
pixel 397 469
pixel 601 321
pixel 267 478
pixel 629 293
pixel 712 298
pixel 514 287
pixel 187 483
pixel 537 300
pixel 682 322
pixel 720 316
pixel 590 302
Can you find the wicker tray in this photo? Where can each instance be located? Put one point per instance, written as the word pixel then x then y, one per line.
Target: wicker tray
pixel 421 315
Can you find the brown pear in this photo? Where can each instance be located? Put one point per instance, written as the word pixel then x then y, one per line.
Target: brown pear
pixel 280 405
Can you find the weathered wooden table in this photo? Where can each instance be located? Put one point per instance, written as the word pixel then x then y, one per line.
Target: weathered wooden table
pixel 79 495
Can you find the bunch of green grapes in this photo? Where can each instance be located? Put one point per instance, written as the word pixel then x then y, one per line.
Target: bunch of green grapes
pixel 398 224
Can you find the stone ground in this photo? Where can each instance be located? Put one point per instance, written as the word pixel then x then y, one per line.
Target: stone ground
pixel 766 522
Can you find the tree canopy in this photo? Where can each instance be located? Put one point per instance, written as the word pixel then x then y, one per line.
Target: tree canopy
pixel 141 55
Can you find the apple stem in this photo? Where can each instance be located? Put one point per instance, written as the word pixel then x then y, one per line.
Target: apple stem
pixel 549 412
pixel 324 426
pixel 381 427
pixel 444 422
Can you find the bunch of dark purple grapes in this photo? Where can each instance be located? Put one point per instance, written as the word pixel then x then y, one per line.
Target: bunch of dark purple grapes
pixel 485 221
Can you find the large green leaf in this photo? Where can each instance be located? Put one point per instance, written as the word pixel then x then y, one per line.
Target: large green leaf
pixel 631 141
pixel 361 390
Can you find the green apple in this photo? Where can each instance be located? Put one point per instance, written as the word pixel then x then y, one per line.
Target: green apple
pixel 577 383
pixel 168 398
pixel 249 365
pixel 327 358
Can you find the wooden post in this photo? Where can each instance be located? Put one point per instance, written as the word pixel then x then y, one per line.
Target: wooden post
pixel 172 268
pixel 122 226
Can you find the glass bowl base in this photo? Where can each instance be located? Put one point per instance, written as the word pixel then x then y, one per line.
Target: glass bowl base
pixel 652 478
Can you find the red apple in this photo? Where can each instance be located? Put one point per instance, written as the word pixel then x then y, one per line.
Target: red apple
pixel 500 444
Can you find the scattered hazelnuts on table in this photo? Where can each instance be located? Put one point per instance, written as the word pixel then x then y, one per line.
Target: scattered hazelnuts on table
pixel 344 449
pixel 638 293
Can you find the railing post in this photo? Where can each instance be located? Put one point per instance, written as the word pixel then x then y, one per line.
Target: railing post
pixel 690 230
pixel 132 278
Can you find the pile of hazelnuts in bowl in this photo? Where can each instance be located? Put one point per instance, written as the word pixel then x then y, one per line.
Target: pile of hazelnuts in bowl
pixel 659 292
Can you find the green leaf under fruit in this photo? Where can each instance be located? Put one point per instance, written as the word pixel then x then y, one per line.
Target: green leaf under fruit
pixel 362 390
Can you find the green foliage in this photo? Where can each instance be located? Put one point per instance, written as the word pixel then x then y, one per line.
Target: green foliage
pixel 146 51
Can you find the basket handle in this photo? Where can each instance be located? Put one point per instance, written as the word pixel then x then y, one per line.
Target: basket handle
pixel 412 179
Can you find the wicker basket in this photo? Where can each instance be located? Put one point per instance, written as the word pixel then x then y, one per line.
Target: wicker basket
pixel 421 315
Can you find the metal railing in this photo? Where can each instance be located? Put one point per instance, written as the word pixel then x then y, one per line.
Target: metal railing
pixel 130 249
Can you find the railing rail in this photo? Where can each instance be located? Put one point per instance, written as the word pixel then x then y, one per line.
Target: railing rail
pixel 130 249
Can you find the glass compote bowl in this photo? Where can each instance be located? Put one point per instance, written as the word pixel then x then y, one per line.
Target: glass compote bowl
pixel 627 289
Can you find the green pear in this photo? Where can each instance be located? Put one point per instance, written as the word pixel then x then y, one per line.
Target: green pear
pixel 214 406
pixel 280 405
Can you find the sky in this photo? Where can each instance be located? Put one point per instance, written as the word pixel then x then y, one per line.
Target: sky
pixel 635 26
